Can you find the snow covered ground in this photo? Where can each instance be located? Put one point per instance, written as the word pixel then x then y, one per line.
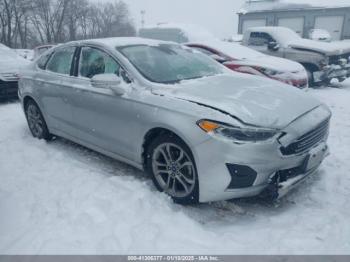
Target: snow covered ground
pixel 60 198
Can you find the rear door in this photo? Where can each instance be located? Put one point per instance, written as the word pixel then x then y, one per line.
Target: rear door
pixel 333 24
pixel 54 84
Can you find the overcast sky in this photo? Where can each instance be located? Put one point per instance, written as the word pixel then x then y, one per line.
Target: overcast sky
pixel 218 16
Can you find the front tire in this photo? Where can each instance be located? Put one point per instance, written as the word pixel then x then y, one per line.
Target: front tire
pixel 171 165
pixel 36 121
pixel 310 76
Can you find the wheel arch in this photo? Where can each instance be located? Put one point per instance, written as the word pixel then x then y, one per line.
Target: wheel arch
pixel 154 132
pixel 311 66
pixel 28 98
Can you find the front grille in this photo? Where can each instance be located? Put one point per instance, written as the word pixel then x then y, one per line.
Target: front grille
pixel 334 60
pixel 8 89
pixel 307 141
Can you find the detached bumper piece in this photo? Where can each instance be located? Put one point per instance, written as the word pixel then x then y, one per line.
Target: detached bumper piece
pixel 8 89
pixel 285 180
pixel 241 176
pixel 340 71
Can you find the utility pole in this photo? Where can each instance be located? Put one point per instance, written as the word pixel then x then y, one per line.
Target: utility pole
pixel 143 13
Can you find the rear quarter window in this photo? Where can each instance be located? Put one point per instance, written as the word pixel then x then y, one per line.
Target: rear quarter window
pixel 61 60
pixel 43 61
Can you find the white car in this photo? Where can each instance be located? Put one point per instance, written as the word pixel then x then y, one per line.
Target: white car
pixel 25 53
pixel 202 132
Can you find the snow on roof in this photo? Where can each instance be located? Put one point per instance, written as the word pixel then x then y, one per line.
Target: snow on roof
pixel 123 41
pixel 287 37
pixel 234 50
pixel 252 6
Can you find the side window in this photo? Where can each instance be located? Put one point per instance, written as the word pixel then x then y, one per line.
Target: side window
pixel 43 61
pixel 94 62
pixel 61 61
pixel 260 39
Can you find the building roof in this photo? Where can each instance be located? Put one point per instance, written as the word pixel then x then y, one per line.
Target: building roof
pixel 254 6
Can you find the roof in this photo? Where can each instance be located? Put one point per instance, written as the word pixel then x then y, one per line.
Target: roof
pixel 254 6
pixel 121 41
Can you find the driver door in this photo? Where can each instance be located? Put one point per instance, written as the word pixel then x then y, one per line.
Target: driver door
pixel 102 118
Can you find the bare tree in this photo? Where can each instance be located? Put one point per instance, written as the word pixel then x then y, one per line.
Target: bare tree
pixel 26 23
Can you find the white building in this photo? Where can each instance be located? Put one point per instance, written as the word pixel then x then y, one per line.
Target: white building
pixel 299 15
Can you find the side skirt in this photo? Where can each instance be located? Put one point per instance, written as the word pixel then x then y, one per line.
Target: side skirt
pixel 96 148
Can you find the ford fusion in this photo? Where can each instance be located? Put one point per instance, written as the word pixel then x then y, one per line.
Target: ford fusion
pixel 201 131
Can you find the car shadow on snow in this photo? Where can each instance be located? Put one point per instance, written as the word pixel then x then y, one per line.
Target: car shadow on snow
pixel 102 163
pixel 223 211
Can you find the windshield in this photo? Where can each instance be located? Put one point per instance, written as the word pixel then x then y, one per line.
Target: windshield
pixel 167 63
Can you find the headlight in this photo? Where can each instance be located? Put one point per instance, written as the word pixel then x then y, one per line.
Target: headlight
pixel 343 62
pixel 268 72
pixel 238 134
pixel 324 62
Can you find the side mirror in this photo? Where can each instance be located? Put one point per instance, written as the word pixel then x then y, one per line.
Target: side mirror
pixel 110 81
pixel 218 58
pixel 273 46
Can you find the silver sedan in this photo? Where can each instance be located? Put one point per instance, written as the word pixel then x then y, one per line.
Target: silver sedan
pixel 202 132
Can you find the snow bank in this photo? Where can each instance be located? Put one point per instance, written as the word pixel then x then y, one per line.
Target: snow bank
pixel 258 6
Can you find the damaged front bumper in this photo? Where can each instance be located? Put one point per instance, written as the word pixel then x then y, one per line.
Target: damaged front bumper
pixel 285 180
pixel 276 166
pixel 340 72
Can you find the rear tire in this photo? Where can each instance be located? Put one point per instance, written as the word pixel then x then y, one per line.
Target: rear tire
pixel 36 121
pixel 310 76
pixel 170 163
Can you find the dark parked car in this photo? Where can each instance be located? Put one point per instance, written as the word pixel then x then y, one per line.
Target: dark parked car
pixel 10 66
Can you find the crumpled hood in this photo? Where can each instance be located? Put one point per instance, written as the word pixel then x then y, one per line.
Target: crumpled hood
pixel 254 100
pixel 333 48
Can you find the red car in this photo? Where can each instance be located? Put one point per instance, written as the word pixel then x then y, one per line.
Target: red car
pixel 246 60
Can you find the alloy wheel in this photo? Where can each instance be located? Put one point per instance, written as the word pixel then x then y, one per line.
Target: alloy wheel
pixel 35 121
pixel 173 170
